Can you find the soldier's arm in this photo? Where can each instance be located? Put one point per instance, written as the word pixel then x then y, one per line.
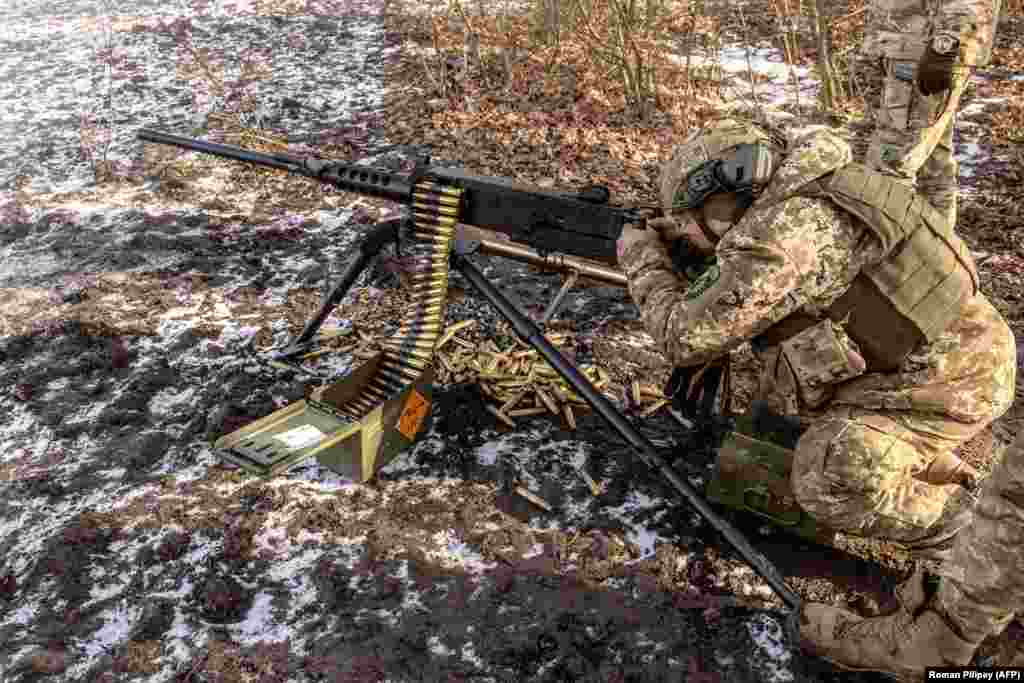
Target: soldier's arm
pixel 766 267
pixel 973 24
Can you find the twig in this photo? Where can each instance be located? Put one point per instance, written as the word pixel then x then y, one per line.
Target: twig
pixel 533 498
pixel 849 16
pixel 789 42
pixel 750 66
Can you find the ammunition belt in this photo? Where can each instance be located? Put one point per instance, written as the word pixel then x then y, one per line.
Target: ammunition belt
pixel 410 352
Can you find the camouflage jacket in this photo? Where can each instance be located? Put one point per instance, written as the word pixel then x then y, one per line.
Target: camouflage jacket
pixel 899 29
pixel 799 255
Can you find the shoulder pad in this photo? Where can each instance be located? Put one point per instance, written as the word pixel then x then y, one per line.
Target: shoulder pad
pixel 813 153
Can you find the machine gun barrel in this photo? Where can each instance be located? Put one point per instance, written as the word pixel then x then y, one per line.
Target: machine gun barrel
pixel 348 177
pixel 581 224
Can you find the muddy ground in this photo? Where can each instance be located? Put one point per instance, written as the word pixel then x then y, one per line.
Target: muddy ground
pixel 131 313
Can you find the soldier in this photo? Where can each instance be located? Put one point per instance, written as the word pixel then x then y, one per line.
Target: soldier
pixel 863 306
pixel 943 628
pixel 926 51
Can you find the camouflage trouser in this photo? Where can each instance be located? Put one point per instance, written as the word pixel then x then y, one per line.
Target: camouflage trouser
pixel 857 470
pixel 862 465
pixel 913 137
pixel 990 553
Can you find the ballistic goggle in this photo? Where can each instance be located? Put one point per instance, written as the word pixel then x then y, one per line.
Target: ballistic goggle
pixel 743 173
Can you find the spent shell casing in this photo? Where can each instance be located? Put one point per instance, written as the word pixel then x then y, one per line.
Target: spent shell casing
pixel 595 488
pixel 654 407
pixel 533 498
pixel 546 400
pixel 501 416
pixel 526 412
pixel 570 417
pixel 512 401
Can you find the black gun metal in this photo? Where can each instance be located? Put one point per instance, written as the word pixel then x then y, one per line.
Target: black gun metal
pixel 578 224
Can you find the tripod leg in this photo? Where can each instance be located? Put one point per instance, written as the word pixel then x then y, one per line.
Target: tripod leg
pixel 531 333
pixel 368 248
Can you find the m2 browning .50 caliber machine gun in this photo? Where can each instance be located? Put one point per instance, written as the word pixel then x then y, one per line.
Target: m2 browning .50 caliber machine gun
pixel 361 422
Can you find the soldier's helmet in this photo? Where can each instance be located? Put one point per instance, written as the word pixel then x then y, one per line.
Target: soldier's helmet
pixel 726 159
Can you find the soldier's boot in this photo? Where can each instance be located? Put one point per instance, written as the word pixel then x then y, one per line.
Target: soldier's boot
pixel 945 630
pixel 913 593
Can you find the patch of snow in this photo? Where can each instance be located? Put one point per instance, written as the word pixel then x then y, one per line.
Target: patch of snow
pixel 638 534
pixel 183 475
pixel 970 157
pixel 295 567
pixel 180 591
pixel 413 601
pixel 184 640
pixel 23 614
pixel 205 547
pixel 469 655
pixel 439 648
pixel 103 588
pixel 488 453
pixel 387 617
pixel 766 633
pixel 172 401
pixel 450 552
pixel 767 62
pixel 259 624
pixel 117 626
pixel 507 445
pixel 170 331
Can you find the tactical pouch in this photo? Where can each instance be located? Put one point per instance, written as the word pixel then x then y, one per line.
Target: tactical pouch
pixel 753 469
pixel 819 359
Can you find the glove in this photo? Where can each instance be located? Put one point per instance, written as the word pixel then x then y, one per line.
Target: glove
pixel 935 69
pixel 668 228
pixel 693 389
pixel 688 259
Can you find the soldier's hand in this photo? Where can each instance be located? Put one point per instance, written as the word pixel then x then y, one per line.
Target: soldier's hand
pixel 631 236
pixel 948 468
pixel 936 67
pixel 667 227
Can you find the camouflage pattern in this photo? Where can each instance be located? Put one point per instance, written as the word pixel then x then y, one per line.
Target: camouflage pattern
pixel 859 466
pixel 913 138
pixel 707 144
pixel 899 29
pixel 976 600
pixel 914 134
pixel 990 554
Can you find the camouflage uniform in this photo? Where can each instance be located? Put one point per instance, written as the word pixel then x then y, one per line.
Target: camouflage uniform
pixel 990 555
pixel 914 134
pixel 946 628
pixel 864 463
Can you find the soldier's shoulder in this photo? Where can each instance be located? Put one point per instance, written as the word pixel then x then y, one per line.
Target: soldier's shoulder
pixel 811 153
pixel 821 147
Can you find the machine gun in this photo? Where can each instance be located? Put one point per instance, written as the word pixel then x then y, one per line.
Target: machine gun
pixel 358 424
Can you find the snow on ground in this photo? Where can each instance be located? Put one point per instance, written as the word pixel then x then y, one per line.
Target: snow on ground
pixel 767 635
pixel 116 520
